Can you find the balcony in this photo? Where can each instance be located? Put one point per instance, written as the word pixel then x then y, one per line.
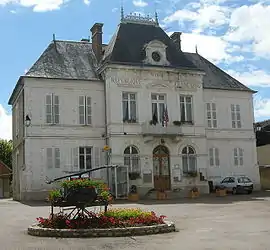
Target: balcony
pixel 159 130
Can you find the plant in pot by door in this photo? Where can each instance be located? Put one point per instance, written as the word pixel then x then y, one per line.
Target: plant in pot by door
pixel 133 193
pixel 194 192
pixel 221 191
pixel 134 176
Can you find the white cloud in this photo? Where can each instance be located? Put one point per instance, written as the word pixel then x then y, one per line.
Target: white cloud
pixel 5 124
pixel 261 107
pixel 252 77
pixel 37 5
pixel 207 16
pixel 140 3
pixel 251 24
pixel 219 52
pixel 87 2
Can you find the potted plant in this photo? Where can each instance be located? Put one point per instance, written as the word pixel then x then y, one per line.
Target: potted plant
pixel 192 174
pixel 194 192
pixel 133 193
pixel 177 123
pixel 134 175
pixel 221 191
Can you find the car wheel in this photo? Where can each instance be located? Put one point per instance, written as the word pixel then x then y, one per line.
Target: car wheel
pixel 249 192
pixel 234 191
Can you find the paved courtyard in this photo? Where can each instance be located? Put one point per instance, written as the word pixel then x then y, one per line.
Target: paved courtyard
pixel 238 222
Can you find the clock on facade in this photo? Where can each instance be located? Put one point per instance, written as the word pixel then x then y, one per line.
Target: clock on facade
pixel 156 56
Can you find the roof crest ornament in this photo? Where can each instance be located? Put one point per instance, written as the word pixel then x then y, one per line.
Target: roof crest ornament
pixel 138 18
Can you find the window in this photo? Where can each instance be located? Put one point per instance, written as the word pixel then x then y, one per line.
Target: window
pixel 158 108
pixel 85 110
pixel 132 159
pixel 129 107
pixel 52 109
pixel 238 157
pixel 53 158
pixel 186 108
pixel 236 116
pixel 85 158
pixel 211 113
pixel 189 160
pixel 214 157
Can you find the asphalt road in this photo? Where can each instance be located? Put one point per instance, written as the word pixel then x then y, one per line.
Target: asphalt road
pixel 239 222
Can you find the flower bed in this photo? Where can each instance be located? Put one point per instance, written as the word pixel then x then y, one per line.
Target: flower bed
pixel 113 218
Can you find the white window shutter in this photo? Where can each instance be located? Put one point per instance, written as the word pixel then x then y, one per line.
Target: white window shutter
pixel 56 115
pixel 96 157
pixel 49 109
pixel 102 157
pixel 81 110
pixel 57 161
pixel 49 158
pixel 88 111
pixel 75 159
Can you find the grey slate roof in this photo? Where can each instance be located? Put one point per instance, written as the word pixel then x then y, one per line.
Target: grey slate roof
pixel 76 60
pixel 66 59
pixel 215 78
pixel 127 46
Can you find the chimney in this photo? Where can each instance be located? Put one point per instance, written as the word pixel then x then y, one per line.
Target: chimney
pixel 176 37
pixel 97 40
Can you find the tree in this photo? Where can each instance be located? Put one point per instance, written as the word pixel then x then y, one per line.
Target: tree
pixel 6 152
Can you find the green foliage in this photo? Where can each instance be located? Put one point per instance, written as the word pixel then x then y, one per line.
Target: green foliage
pixel 124 213
pixel 54 195
pixel 82 183
pixel 6 152
pixel 99 185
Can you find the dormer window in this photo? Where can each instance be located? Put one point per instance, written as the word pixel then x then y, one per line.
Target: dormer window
pixel 155 53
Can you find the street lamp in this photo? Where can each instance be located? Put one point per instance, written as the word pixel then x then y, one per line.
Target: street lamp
pixel 27 121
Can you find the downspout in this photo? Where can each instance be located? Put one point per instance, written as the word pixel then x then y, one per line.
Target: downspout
pixel 106 128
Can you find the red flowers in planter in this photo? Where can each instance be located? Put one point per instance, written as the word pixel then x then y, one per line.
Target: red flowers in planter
pixel 112 218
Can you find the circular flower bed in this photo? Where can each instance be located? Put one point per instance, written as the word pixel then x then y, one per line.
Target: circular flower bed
pixel 109 219
pixel 114 222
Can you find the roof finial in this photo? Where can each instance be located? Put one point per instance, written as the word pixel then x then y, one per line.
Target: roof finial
pixel 196 49
pixel 54 37
pixel 156 14
pixel 122 11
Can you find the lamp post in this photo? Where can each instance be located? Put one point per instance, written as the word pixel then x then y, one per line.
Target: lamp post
pixel 27 121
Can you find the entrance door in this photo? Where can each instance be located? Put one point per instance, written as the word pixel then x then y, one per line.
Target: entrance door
pixel 161 165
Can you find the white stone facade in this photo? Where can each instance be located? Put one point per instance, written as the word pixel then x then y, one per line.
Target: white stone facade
pixel 31 167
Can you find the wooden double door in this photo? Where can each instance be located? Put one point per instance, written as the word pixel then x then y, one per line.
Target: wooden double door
pixel 161 167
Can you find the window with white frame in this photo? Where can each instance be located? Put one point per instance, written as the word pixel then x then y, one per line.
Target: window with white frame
pixel 132 159
pixel 129 107
pixel 236 116
pixel 52 109
pixel 53 158
pixel 85 110
pixel 158 107
pixel 189 160
pixel 186 108
pixel 85 158
pixel 211 114
pixel 238 157
pixel 214 157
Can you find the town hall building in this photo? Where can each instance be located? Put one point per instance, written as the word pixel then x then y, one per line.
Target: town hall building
pixel 172 119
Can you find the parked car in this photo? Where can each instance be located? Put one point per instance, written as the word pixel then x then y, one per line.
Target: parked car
pixel 236 184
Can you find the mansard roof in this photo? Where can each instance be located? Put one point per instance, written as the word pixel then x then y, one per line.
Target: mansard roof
pixel 77 61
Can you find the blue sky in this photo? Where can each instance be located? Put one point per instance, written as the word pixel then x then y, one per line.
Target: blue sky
pixel 233 34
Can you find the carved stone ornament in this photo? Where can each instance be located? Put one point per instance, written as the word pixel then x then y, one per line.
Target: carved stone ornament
pixel 126 82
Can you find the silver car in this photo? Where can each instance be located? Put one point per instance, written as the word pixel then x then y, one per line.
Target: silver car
pixel 236 184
